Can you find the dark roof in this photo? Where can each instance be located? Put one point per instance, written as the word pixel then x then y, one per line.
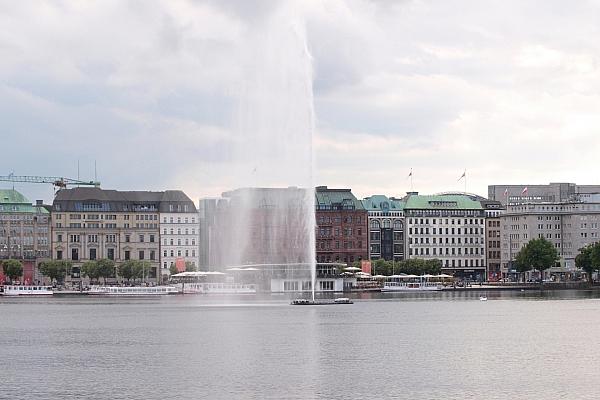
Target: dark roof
pixel 114 200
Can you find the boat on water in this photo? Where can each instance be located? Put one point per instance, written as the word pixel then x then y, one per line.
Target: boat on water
pixel 27 290
pixel 133 290
pixel 308 302
pixel 217 288
pixel 482 298
pixel 401 283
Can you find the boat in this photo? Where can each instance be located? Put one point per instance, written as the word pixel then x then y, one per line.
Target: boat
pixel 401 286
pixel 482 298
pixel 308 302
pixel 133 290
pixel 27 290
pixel 217 288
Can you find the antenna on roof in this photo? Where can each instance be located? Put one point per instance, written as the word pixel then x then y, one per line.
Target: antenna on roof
pixel 95 172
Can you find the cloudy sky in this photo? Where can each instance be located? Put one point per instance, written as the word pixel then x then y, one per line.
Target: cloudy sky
pixel 152 91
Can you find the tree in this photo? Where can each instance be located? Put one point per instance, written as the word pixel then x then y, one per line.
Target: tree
pixel 55 269
pixel 13 269
pixel 126 269
pixel 141 269
pixel 584 260
pixel 189 267
pixel 91 270
pixel 106 268
pixel 537 254
pixel 173 269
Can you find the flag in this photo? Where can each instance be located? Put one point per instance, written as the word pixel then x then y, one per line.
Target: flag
pixel 464 175
pixel 410 174
pixel 524 190
pixel 506 192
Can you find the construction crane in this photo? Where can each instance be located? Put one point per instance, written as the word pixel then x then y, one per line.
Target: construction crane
pixel 58 182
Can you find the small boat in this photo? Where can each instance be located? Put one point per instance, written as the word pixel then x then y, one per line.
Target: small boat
pixel 26 290
pixel 482 298
pixel 133 290
pixel 343 300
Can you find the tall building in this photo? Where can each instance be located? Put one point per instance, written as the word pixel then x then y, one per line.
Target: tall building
pixel 552 192
pixel 569 226
pixel 386 227
pixel 24 232
pixel 450 228
pixel 493 211
pixel 93 223
pixel 207 212
pixel 341 234
pixel 179 230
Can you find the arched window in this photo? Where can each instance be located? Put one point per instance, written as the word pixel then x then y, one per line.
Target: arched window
pixel 387 223
pixel 398 224
pixel 375 224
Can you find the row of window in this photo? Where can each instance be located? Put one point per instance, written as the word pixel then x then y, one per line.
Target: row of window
pixel 110 254
pixel 446 221
pixel 348 219
pixel 387 224
pixel 186 231
pixel 108 238
pixel 458 251
pixel 446 231
pixel 179 253
pixel 185 220
pixel 327 232
pixel 328 245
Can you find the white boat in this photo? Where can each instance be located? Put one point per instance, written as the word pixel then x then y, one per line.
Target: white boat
pixel 410 286
pixel 133 290
pixel 26 290
pixel 217 288
pixel 482 298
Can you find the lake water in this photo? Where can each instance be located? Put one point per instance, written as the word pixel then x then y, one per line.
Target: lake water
pixel 428 346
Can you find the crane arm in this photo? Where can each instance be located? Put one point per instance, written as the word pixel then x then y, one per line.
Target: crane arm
pixel 54 180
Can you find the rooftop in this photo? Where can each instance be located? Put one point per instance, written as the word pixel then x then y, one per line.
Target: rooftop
pixel 450 201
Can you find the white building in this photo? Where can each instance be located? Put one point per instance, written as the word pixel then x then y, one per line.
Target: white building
pixel 179 230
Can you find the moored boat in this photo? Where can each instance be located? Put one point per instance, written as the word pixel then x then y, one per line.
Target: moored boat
pixel 133 290
pixel 27 290
pixel 217 288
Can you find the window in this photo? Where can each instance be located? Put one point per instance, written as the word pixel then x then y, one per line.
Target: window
pixel 59 255
pixel 152 255
pixel 110 254
pixel 141 241
pixel 151 238
pixel 127 255
pixel 75 254
pixel 59 238
pixel 141 255
pixel 127 238
pixel 92 254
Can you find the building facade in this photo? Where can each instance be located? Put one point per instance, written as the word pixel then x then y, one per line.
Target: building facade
pixel 341 232
pixel 569 226
pixel 386 227
pixel 24 233
pixel 179 230
pixel 93 223
pixel 493 211
pixel 450 228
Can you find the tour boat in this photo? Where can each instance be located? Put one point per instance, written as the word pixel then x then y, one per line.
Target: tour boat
pixel 26 290
pixel 401 286
pixel 133 290
pixel 307 302
pixel 217 288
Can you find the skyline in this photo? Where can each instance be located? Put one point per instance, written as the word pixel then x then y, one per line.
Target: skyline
pixel 434 88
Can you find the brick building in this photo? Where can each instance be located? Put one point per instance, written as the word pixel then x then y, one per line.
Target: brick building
pixel 342 230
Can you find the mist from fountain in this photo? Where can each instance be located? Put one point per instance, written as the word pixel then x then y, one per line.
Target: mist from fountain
pixel 271 214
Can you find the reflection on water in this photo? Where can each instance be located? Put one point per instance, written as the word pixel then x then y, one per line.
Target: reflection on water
pixel 425 345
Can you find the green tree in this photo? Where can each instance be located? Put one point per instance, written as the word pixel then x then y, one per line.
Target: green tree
pixel 106 268
pixel 584 260
pixel 537 254
pixel 126 269
pixel 56 270
pixel 141 269
pixel 13 269
pixel 189 267
pixel 173 269
pixel 90 269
